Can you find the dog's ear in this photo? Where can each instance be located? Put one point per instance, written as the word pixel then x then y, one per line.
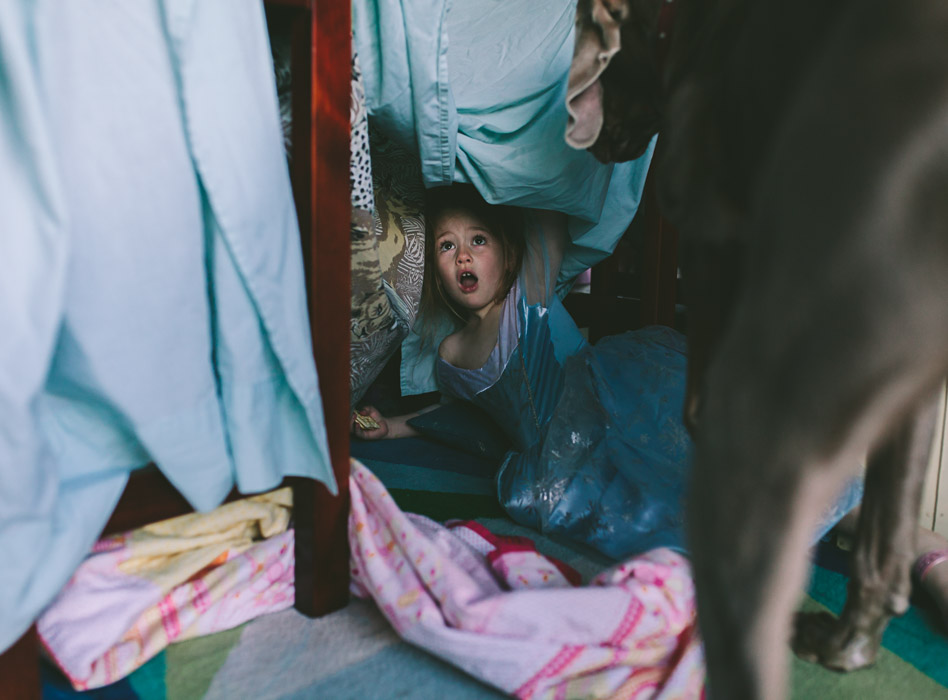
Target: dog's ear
pixel 597 41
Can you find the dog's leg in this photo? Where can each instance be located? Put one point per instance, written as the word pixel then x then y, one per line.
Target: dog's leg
pixel 879 587
pixel 787 414
pixel 751 512
pixel 711 277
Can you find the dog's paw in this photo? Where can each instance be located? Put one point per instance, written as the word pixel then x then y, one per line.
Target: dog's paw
pixel 824 639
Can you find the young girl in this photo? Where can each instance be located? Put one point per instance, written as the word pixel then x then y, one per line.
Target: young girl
pixel 601 454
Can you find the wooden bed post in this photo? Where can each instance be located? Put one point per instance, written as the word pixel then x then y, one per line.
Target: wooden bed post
pixel 321 65
pixel 660 249
pixel 19 669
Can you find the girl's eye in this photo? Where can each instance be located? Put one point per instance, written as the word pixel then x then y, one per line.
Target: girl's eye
pixel 480 240
pixel 445 245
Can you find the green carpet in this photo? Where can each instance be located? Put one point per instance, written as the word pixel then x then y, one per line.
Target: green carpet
pixel 892 677
pixel 913 662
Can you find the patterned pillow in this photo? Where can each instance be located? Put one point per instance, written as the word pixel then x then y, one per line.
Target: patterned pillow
pixel 388 246
pixel 374 330
pixel 399 222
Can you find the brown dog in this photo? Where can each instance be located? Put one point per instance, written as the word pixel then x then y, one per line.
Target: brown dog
pixel 804 158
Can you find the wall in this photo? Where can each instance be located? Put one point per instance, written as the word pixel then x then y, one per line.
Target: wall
pixel 934 514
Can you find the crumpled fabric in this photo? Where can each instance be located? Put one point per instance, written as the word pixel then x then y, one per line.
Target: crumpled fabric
pixel 511 617
pixel 610 465
pixel 601 454
pixel 174 580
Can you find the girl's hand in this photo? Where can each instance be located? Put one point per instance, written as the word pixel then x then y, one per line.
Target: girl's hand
pixel 370 418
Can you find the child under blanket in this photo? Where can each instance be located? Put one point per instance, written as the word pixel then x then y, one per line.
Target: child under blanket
pixel 601 454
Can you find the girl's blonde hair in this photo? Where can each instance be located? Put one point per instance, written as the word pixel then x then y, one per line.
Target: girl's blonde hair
pixel 503 222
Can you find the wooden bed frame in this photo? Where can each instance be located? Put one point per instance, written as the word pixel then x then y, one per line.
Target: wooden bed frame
pixel 614 302
pixel 319 169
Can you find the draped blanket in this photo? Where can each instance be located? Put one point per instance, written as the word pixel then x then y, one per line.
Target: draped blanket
pixel 476 92
pixel 152 304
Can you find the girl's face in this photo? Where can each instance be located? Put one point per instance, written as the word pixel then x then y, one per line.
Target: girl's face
pixel 470 260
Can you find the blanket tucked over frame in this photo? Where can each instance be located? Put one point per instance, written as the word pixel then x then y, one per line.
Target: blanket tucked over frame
pixel 178 579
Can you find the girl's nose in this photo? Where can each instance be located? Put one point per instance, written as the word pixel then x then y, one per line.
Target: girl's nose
pixel 464 255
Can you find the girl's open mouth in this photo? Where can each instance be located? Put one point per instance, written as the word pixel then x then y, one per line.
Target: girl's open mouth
pixel 467 281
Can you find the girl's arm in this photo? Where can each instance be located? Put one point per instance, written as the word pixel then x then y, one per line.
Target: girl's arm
pixel 546 240
pixel 388 428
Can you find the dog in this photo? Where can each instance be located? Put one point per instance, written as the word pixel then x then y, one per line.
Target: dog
pixel 803 157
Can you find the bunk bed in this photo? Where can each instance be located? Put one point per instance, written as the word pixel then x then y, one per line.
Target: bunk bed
pixel 320 47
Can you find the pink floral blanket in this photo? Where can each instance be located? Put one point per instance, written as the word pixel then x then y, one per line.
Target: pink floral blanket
pixel 181 578
pixel 506 614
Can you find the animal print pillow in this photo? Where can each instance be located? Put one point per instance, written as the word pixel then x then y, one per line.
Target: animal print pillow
pixel 399 223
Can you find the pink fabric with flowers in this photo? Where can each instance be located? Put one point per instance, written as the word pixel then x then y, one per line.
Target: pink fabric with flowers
pixel 506 614
pixel 107 622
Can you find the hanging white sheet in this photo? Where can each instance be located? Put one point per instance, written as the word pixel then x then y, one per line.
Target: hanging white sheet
pixel 478 88
pixel 152 305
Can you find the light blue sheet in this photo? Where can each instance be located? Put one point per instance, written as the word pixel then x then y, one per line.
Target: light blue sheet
pixel 152 305
pixel 478 88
